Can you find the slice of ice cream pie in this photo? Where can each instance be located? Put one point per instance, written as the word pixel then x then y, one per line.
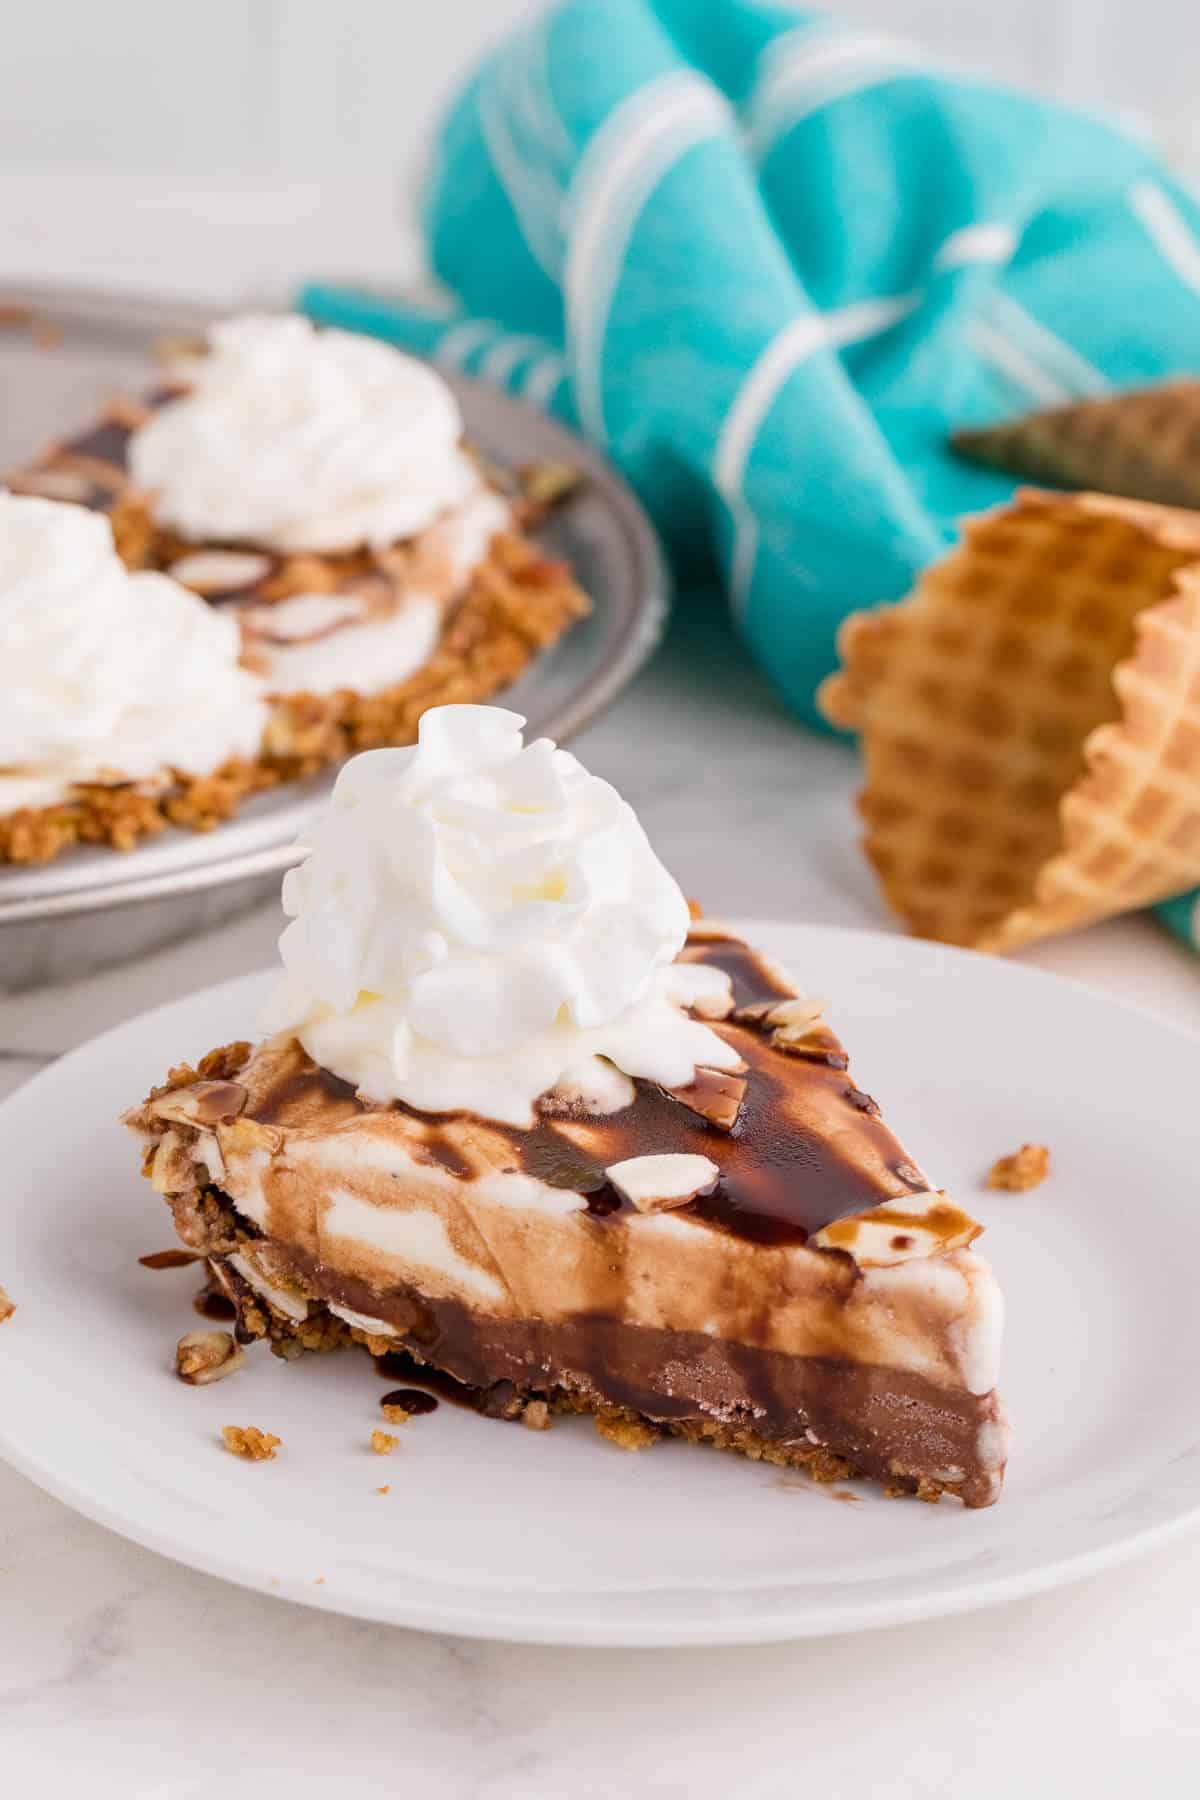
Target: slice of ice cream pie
pixel 519 1116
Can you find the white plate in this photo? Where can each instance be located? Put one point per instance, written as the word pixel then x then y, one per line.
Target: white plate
pixel 494 1531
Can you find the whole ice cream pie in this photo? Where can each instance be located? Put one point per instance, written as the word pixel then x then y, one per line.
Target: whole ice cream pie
pixel 519 1116
pixel 313 488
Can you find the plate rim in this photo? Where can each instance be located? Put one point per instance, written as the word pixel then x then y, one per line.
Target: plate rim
pixel 790 1621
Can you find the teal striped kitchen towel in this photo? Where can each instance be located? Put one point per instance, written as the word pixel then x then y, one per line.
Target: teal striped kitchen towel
pixel 766 261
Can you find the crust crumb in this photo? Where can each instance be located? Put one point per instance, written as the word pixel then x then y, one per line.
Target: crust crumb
pixel 7 1307
pixel 382 1442
pixel 386 1489
pixel 395 1415
pixel 1025 1168
pixel 248 1442
pixel 537 1416
pixel 626 1433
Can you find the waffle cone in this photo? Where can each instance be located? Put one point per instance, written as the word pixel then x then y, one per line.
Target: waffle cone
pixel 1030 721
pixel 1144 444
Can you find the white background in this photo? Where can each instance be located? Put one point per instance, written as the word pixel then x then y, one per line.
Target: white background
pixel 296 89
pixel 161 137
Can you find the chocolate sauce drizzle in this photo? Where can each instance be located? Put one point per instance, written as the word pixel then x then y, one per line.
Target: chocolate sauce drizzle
pixel 211 1303
pixel 807 1148
pixel 399 1365
pixel 106 442
pixel 413 1401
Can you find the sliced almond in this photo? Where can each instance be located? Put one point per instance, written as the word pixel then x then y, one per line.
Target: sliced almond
pixel 899 1230
pixel 203 1103
pixel 657 1183
pixel 303 617
pixel 713 1095
pixel 795 1021
pixel 208 1152
pixel 247 1135
pixel 755 1013
pixel 792 1011
pixel 283 1296
pixel 205 1356
pixel 172 1171
pixel 213 572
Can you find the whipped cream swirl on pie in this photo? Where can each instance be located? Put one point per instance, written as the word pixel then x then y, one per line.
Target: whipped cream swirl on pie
pixel 294 439
pixel 480 923
pixel 107 676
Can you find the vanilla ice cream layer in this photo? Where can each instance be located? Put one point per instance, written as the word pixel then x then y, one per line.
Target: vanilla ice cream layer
pixel 386 1199
pixel 329 643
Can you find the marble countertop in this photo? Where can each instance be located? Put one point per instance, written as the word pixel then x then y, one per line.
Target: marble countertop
pixel 129 1676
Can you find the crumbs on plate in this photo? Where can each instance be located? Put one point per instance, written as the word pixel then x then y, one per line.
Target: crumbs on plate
pixel 1025 1168
pixel 248 1442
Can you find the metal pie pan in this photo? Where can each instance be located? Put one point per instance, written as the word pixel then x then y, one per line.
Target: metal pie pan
pixel 95 906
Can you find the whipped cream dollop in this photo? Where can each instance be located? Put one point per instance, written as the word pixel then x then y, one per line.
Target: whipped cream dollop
pixel 105 675
pixel 480 922
pixel 296 439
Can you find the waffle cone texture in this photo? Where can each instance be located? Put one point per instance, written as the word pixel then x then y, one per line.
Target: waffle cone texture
pixel 1143 444
pixel 1030 721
